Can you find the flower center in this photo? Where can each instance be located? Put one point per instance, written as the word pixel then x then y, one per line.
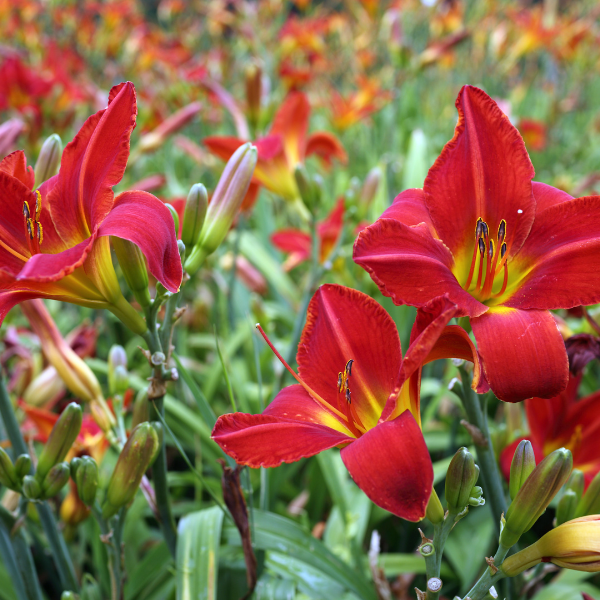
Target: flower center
pixel 353 419
pixel 493 254
pixel 33 225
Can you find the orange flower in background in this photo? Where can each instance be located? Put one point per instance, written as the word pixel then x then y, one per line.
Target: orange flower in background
pixel 534 134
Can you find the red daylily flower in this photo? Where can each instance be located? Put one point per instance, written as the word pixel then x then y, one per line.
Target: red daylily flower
pixel 505 250
pixel 299 243
pixel 54 243
pixel 563 422
pixel 286 146
pixel 357 392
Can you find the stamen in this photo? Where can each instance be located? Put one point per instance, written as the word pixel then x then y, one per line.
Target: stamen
pixel 26 212
pixel 504 283
pixel 481 245
pixel 40 233
pixel 502 231
pixel 38 205
pixel 503 250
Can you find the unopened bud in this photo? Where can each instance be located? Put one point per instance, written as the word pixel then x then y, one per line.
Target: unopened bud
pixel 523 463
pixel 305 186
pixel 8 473
pixel 576 483
pixel 117 369
pixel 133 266
pixel 48 160
pixel 572 545
pixel 194 215
pixel 135 458
pixel 56 479
pixel 476 497
pixel 434 511
pixel 75 464
pixel 140 409
pixel 590 502
pixel 462 476
pixel 371 185
pixel 31 487
pixel 23 465
pixel 225 204
pixel 566 507
pixel 535 495
pixel 175 216
pixel 86 479
pixel 253 76
pixel 63 434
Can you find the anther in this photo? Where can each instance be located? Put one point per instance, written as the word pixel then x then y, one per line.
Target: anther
pixel 479 228
pixel 485 228
pixel 502 231
pixel 40 233
pixel 26 212
pixel 503 250
pixel 491 250
pixel 349 367
pixel 481 246
pixel 348 400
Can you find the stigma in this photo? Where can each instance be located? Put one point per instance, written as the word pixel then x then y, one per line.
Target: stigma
pixel 489 260
pixel 34 228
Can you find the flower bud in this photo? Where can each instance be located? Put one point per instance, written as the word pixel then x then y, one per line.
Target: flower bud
pixel 23 465
pixel 573 545
pixel 75 464
pixel 462 476
pixel 31 487
pixel 305 186
pixel 175 216
pixel 567 505
pixel 194 215
pixel 371 185
pixel 141 412
pixel 590 502
pixel 56 479
pixel 133 266
pixel 63 434
pixel 8 473
pixel 86 479
pixel 576 483
pixel 523 463
pixel 48 160
pixel 117 359
pixel 225 204
pixel 135 458
pixel 476 497
pixel 535 495
pixel 254 88
pixel 435 511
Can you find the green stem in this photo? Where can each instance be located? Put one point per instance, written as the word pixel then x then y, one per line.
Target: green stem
pixel 433 562
pixel 492 483
pixel 60 552
pixel 9 561
pixel 113 545
pixel 481 589
pixel 166 329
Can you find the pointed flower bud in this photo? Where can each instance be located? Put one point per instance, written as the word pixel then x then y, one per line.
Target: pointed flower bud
pixel 194 215
pixel 567 505
pixel 371 185
pixel 31 487
pixel 175 216
pixel 23 465
pixel 225 204
pixel 141 412
pixel 573 545
pixel 135 458
pixel 305 186
pixel 590 502
pixel 523 463
pixel 63 434
pixel 576 483
pixel 133 266
pixel 57 478
pixel 535 495
pixel 435 511
pixel 117 359
pixel 462 476
pixel 86 478
pixel 254 92
pixel 48 160
pixel 8 473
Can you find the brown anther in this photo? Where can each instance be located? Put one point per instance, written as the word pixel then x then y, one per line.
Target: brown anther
pixel 491 249
pixel 503 250
pixel 479 228
pixel 26 212
pixel 348 400
pixel 491 565
pixel 481 246
pixel 485 228
pixel 502 231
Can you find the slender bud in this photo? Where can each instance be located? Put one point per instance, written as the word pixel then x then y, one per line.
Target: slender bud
pixel 86 479
pixel 8 473
pixel 141 412
pixel 305 186
pixel 135 458
pixel 535 495
pixel 117 358
pixel 566 507
pixel 462 476
pixel 590 502
pixel 175 217
pixel 523 463
pixel 23 465
pixel 61 438
pixel 31 487
pixel 576 483
pixel 573 545
pixel 225 204
pixel 253 76
pixel 371 185
pixel 133 266
pixel 56 479
pixel 48 160
pixel 434 512
pixel 194 215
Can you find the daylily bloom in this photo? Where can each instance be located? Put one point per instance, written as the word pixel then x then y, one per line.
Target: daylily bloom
pixel 562 422
pixel 356 392
pixel 286 146
pixel 54 242
pixel 505 250
pixel 299 243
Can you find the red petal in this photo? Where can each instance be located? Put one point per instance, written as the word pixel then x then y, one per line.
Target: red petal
pixel 268 440
pixel 391 465
pixel 344 324
pixel 296 243
pixel 273 167
pixel 547 196
pixel 291 122
pixel 522 352
pixel 15 164
pixel 560 258
pixel 484 171
pixel 410 266
pixel 330 229
pixel 144 220
pixel 251 196
pixel 409 208
pixel 326 146
pixel 91 165
pixel 222 146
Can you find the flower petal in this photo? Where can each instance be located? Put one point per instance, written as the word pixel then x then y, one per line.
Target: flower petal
pixel 559 261
pixel 343 324
pixel 330 229
pixel 296 243
pixel 144 220
pixel 15 164
pixel 273 168
pixel 291 123
pixel 222 146
pixel 326 146
pixel 409 208
pixel 522 352
pixel 391 465
pixel 411 266
pixel 484 171
pixel 268 440
pixel 547 196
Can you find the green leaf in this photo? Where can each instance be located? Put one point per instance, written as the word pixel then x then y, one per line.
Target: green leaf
pixel 198 554
pixel 275 533
pixel 397 564
pixel 149 573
